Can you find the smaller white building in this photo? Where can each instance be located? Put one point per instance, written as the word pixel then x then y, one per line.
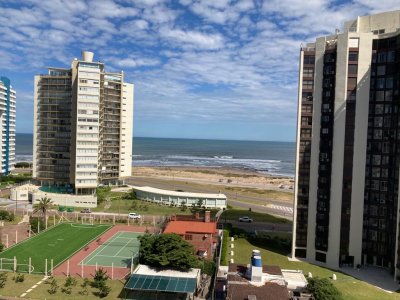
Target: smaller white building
pixel 168 197
pixel 30 192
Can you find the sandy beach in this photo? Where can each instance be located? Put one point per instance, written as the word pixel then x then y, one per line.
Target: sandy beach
pixel 217 176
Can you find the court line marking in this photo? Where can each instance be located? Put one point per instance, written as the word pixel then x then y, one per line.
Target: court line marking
pixel 111 239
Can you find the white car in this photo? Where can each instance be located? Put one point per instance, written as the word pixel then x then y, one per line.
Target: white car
pixel 245 219
pixel 134 216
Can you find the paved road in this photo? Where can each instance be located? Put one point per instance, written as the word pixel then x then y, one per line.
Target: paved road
pixel 270 206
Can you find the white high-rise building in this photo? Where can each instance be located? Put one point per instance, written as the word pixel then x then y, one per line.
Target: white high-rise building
pixel 347 196
pixel 7 126
pixel 83 121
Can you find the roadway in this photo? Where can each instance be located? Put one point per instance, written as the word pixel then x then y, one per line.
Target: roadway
pixel 256 203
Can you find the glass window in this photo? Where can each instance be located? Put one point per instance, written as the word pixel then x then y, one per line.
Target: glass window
pixel 390 56
pixel 381 70
pixel 353 69
pixel 389 82
pixel 351 95
pixel 353 56
pixel 308 84
pixel 380 83
pixel 381 57
pixel 309 59
pixel 308 72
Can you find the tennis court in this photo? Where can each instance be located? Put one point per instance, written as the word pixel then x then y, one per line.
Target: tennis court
pixel 117 251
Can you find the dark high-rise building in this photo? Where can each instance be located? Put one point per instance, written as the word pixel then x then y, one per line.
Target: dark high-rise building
pixel 348 146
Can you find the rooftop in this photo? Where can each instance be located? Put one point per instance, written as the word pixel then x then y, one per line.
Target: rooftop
pixel 183 227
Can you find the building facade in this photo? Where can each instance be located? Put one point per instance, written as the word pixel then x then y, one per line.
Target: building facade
pixel 348 151
pixel 7 125
pixel 177 198
pixel 202 234
pixel 83 119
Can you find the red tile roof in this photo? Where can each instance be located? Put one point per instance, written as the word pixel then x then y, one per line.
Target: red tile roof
pixel 183 227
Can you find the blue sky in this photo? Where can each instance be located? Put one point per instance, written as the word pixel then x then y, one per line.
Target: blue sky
pixel 202 69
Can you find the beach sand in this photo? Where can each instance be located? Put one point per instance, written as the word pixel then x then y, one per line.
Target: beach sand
pixel 217 176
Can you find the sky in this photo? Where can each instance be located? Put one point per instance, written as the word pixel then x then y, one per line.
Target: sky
pixel 218 69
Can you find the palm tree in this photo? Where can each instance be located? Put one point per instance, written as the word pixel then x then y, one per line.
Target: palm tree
pixel 42 207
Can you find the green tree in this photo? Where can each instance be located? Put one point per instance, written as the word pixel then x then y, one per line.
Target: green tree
pixel 323 289
pixel 167 250
pixel 42 207
pixel 102 193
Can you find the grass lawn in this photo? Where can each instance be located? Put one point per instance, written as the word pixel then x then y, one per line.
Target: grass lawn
pixel 235 214
pixel 269 194
pixel 41 292
pixel 13 289
pixel 119 205
pixel 350 287
pixel 58 243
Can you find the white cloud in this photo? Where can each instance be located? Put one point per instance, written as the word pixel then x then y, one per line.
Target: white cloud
pixel 194 38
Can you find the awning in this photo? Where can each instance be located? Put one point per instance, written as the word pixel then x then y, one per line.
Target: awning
pixel 161 283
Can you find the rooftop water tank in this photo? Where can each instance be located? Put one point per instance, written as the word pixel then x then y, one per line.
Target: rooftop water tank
pixel 87 56
pixel 256 261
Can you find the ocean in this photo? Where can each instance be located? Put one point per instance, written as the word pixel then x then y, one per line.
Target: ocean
pixel 275 158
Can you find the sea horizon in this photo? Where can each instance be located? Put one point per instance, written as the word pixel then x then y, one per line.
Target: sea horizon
pixel 265 157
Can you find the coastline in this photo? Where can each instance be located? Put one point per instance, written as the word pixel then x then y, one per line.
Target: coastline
pixel 217 176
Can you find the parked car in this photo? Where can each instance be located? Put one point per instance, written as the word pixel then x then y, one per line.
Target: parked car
pixel 86 211
pixel 245 219
pixel 134 216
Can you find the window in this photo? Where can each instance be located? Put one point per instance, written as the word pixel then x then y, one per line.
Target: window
pixel 351 82
pixel 353 56
pixel 188 237
pixel 308 84
pixel 390 56
pixel 308 72
pixel 351 95
pixel 309 59
pixel 389 82
pixel 381 70
pixel 353 69
pixel 381 58
pixel 380 83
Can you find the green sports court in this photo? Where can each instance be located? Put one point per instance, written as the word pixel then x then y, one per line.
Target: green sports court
pixel 117 251
pixel 54 246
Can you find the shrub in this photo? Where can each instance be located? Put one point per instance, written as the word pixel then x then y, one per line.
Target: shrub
pixel 34 224
pixel 53 287
pixel 4 215
pixel 224 252
pixel 208 267
pixel 323 289
pixel 100 278
pixel 85 282
pixel 70 281
pixel 104 290
pixel 19 277
pixel 66 290
pixel 1 247
pixel 3 279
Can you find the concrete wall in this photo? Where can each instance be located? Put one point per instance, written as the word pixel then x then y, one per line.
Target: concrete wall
pixel 31 192
pixel 332 257
pixel 126 130
pixel 360 145
pixel 316 127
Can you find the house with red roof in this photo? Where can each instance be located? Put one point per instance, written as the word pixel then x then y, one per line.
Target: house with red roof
pixel 202 234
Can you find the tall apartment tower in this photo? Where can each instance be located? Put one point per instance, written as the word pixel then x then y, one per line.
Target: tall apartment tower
pixel 7 126
pixel 83 119
pixel 348 146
